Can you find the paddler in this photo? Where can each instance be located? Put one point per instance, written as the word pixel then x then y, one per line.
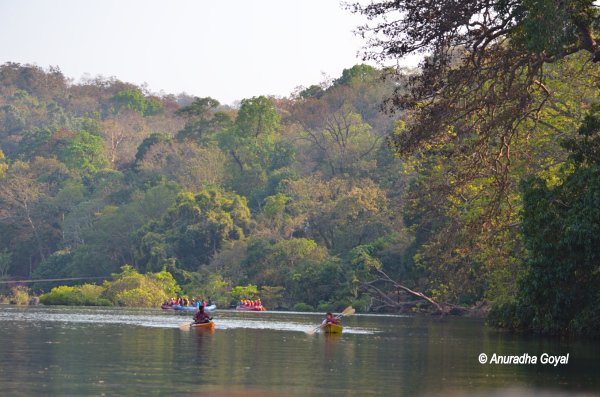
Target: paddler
pixel 200 317
pixel 330 319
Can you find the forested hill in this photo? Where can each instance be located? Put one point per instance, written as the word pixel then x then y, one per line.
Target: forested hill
pixel 302 196
pixel 277 192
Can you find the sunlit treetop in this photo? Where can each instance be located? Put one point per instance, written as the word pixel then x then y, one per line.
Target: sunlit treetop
pixel 483 72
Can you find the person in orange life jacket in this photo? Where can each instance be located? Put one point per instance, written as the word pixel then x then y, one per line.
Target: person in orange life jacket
pixel 201 317
pixel 329 319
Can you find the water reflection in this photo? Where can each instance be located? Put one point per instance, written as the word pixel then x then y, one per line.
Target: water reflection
pixel 94 351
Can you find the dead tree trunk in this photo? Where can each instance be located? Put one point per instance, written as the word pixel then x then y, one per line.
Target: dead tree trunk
pixel 388 301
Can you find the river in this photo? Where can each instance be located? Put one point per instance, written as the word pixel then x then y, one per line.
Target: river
pixel 67 351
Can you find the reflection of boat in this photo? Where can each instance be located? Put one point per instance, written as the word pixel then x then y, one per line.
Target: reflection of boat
pixel 260 308
pixel 193 308
pixel 210 326
pixel 332 329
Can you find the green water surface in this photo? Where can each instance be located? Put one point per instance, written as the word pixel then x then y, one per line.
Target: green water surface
pixel 62 351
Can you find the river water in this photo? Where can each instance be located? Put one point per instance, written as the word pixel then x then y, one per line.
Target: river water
pixel 66 351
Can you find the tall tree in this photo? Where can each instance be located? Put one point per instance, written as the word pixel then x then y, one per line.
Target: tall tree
pixel 194 229
pixel 203 119
pixel 20 196
pixel 339 141
pixel 483 76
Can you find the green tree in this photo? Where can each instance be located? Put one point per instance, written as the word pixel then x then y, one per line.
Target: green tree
pixel 195 228
pixel 362 73
pixel 240 292
pixel 20 196
pixel 193 166
pixel 133 99
pixel 85 153
pixel 485 78
pixel 148 142
pixel 253 146
pixel 203 120
pixel 341 214
pixel 257 116
pixel 338 140
pixel 558 292
pixel 304 270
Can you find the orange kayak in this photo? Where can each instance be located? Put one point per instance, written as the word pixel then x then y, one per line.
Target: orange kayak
pixel 333 329
pixel 208 326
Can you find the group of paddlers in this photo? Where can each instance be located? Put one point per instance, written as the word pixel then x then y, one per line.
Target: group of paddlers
pixel 184 301
pixel 250 303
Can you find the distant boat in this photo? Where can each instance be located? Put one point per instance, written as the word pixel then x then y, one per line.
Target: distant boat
pixel 260 308
pixel 188 308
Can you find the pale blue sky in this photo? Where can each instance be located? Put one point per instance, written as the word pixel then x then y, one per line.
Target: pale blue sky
pixel 225 49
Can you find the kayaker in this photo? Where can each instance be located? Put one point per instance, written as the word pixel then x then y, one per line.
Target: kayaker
pixel 201 317
pixel 329 319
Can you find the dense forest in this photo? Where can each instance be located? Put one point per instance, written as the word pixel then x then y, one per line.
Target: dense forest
pixel 473 179
pixel 284 194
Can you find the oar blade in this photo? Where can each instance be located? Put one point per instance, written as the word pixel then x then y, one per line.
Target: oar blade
pixel 348 311
pixel 184 326
pixel 312 331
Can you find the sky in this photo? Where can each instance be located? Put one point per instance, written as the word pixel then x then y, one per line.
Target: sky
pixel 228 50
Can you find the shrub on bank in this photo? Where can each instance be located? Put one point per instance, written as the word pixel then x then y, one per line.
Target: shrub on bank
pixel 138 297
pixel 131 288
pixel 82 295
pixel 18 295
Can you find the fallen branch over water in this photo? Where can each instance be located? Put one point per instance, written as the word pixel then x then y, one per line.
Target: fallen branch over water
pixel 385 301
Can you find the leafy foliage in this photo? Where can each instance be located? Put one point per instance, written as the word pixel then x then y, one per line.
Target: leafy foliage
pixel 83 295
pixel 302 200
pixel 561 228
pixel 195 228
pixel 130 288
pixel 133 99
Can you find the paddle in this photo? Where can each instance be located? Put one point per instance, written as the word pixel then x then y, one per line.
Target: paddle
pixel 347 312
pixel 185 326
